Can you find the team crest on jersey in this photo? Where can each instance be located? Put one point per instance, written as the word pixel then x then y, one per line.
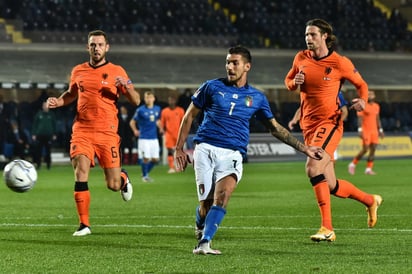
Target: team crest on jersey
pixel 105 75
pixel 249 101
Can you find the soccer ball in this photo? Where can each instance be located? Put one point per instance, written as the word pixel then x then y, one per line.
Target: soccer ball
pixel 20 175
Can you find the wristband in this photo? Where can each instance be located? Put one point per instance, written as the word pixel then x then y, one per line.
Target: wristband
pixel 381 130
pixel 359 129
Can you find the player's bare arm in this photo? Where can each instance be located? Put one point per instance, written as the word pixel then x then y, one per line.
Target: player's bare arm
pixel 131 94
pixel 295 119
pixel 181 158
pixel 66 98
pixel 133 126
pixel 285 136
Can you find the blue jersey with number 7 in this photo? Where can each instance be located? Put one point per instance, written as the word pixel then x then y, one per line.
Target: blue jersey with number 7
pixel 227 110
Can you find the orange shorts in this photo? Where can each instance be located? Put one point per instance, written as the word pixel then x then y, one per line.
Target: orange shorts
pixel 326 135
pixel 104 146
pixel 170 140
pixel 370 137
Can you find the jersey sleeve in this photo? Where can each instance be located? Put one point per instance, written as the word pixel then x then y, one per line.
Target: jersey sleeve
pixel 290 76
pixel 264 112
pixel 199 98
pixel 73 87
pixel 122 72
pixel 350 73
pixel 136 114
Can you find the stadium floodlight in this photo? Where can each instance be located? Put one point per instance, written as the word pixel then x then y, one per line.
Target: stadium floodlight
pixel 59 85
pixel 7 85
pixel 42 85
pixel 25 85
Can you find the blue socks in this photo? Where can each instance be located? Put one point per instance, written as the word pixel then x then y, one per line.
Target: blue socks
pixel 146 168
pixel 213 219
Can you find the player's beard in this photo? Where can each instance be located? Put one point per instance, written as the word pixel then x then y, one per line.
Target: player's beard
pixel 233 78
pixel 310 46
pixel 97 58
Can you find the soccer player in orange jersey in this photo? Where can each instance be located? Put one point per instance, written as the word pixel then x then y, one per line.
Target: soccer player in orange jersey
pixel 169 124
pixel 319 72
pixel 370 129
pixel 96 85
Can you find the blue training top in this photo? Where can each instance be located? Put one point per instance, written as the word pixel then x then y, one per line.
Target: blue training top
pixel 227 110
pixel 146 119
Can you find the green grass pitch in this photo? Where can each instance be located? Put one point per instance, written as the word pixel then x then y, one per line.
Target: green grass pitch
pixel 269 220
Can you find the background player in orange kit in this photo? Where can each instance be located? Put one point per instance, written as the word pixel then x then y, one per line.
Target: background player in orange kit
pixel 96 85
pixel 169 124
pixel 370 129
pixel 319 72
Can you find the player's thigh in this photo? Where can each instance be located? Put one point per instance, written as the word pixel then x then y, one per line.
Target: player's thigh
pixel 204 171
pixel 374 138
pixel 170 140
pixel 82 143
pixel 229 162
pixel 326 136
pixel 148 148
pixel 108 151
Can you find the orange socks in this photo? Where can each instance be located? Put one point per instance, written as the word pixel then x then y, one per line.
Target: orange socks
pixel 345 189
pixel 322 194
pixel 82 199
pixel 171 161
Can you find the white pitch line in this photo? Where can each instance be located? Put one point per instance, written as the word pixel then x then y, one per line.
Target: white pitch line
pixel 222 227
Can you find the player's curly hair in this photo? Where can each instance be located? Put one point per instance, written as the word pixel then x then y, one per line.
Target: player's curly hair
pixel 324 27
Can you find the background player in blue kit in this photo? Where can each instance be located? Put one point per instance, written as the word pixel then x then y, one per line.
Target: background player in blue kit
pixel 222 138
pixel 144 126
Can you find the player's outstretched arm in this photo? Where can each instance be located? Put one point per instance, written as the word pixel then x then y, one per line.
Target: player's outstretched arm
pixel 285 136
pixel 181 158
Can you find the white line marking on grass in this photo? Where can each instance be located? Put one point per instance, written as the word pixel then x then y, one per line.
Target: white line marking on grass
pixel 191 227
pixel 60 216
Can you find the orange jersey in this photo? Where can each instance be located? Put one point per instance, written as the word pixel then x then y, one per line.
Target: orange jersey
pixel 97 96
pixel 370 117
pixel 170 120
pixel 323 80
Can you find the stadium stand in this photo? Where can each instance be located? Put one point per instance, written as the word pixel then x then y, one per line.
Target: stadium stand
pixel 175 45
pixel 360 24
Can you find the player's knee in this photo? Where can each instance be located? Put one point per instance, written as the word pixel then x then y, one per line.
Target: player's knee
pixel 312 171
pixel 317 179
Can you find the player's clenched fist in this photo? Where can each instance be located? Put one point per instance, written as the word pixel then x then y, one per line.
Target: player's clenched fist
pixel 53 102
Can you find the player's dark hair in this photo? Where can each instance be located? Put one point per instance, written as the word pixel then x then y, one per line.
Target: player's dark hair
pixel 324 27
pixel 240 50
pixel 98 33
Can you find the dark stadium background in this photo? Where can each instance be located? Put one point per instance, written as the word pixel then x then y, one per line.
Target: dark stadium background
pixel 173 46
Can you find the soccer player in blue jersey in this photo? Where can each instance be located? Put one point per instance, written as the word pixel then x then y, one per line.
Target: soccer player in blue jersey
pixel 222 138
pixel 144 124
